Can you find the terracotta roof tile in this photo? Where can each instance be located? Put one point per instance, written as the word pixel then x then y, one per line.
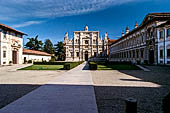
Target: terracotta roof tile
pixel 35 52
pixel 3 25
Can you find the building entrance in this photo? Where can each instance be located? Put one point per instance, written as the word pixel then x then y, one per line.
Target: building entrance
pixel 151 56
pixel 86 56
pixel 14 57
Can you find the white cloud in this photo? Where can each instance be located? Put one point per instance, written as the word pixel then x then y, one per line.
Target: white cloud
pixel 27 24
pixel 21 9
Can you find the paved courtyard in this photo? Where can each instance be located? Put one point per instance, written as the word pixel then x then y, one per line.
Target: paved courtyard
pixel 149 88
pixel 75 89
pixel 72 92
pixel 15 84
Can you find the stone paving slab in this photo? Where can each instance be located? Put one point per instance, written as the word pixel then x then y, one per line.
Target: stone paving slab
pixel 72 92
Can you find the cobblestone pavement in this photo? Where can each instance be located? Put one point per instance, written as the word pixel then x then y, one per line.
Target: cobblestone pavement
pixel 15 84
pixel 149 88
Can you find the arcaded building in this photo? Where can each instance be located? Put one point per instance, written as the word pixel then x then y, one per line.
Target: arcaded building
pixel 85 45
pixel 147 43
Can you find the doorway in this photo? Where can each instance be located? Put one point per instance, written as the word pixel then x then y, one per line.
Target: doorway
pixel 14 57
pixel 86 56
pixel 151 56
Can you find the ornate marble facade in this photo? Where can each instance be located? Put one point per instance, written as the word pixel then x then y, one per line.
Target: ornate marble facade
pixel 84 45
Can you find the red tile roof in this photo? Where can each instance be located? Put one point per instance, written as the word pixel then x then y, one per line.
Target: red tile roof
pixel 35 52
pixel 12 29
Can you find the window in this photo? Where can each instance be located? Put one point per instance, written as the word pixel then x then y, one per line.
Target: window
pixel 137 54
pixel 86 42
pixel 168 32
pixel 133 53
pixel 5 34
pixel 161 35
pixel 4 54
pixel 94 41
pixel 168 53
pixel 77 54
pixel 71 54
pixel 130 54
pixel 161 53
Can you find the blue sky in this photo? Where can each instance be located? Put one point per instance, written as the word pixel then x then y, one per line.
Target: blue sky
pixel 51 19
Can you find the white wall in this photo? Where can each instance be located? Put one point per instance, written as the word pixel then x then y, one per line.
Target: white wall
pixel 7 43
pixel 35 58
pixel 161 45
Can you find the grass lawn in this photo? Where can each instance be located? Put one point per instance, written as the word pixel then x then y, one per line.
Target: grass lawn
pixel 117 67
pixel 44 67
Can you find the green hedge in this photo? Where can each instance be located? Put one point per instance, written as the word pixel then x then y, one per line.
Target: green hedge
pixel 50 63
pixel 92 66
pixel 67 65
pixel 71 65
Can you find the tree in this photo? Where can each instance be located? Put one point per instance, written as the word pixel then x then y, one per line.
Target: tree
pixel 48 47
pixel 34 44
pixel 59 51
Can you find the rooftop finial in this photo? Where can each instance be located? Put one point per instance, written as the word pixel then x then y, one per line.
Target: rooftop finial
pixel 86 28
pixel 136 25
pixel 127 29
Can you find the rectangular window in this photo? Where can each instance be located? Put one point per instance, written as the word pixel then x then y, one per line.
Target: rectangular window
pixel 4 54
pixel 168 32
pixel 161 35
pixel 168 53
pixel 5 34
pixel 86 42
pixel 129 54
pixel 161 53
pixel 77 54
pixel 71 54
pixel 133 53
pixel 137 54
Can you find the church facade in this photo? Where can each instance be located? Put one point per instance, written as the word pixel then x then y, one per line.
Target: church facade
pixel 85 45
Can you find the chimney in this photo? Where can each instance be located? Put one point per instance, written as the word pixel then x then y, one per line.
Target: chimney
pixel 123 34
pixel 136 25
pixel 127 30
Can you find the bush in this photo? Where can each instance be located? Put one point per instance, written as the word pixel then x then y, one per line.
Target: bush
pixel 52 59
pixel 166 104
pixel 146 62
pixel 92 66
pixel 138 62
pixel 49 63
pixel 67 66
pixel 29 61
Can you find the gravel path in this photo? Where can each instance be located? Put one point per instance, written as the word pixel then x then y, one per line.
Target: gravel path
pixel 149 88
